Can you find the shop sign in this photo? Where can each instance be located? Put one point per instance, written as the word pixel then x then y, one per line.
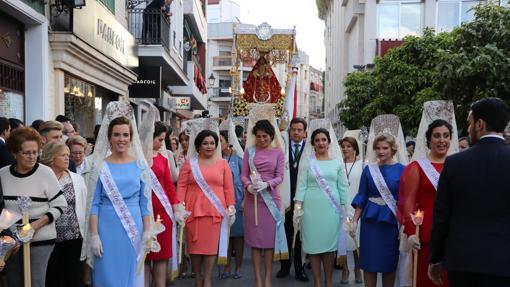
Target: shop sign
pixel 182 103
pixel 148 84
pixel 98 27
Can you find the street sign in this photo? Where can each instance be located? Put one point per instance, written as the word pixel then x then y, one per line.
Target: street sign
pixel 182 103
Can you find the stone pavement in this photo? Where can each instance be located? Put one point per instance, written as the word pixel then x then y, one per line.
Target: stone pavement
pixel 248 278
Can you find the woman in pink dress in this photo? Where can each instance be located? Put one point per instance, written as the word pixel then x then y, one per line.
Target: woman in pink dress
pixel 157 263
pixel 203 225
pixel 269 162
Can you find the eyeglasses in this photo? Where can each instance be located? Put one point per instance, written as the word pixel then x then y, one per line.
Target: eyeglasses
pixel 77 153
pixel 30 153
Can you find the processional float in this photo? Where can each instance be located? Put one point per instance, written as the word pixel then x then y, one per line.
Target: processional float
pixel 265 50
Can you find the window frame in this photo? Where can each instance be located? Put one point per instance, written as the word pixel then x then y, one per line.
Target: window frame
pixel 459 20
pixel 399 3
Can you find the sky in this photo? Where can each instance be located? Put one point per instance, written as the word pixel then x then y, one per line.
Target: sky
pixel 284 14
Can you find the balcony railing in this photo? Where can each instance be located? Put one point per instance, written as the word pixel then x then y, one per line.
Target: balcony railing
pixel 220 92
pixel 149 26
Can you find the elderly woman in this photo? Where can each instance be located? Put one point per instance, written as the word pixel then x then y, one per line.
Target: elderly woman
pixel 65 267
pixel 77 148
pixel 28 178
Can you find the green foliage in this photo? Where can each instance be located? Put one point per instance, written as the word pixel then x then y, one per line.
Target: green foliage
pixel 464 65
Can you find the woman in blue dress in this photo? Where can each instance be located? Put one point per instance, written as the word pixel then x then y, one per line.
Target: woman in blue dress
pixel 237 229
pixel 379 229
pixel 115 252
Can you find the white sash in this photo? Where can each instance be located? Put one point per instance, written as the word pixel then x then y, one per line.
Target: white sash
pixel 383 189
pixel 216 202
pixel 160 194
pixel 120 206
pixel 429 171
pixel 314 166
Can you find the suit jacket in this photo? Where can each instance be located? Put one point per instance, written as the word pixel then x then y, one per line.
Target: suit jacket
pixel 294 170
pixel 6 157
pixel 471 217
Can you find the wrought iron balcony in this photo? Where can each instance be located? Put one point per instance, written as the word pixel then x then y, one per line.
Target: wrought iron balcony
pixel 149 26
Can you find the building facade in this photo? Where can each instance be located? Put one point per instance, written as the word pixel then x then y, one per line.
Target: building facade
pixel 316 103
pixel 24 83
pixel 356 31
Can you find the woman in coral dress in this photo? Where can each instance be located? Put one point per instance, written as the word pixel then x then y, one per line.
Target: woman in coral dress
pixel 204 225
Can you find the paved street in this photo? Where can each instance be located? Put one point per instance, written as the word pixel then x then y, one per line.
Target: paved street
pixel 248 277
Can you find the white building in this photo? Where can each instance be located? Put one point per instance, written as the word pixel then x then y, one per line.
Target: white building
pixel 222 17
pixel 303 85
pixel 358 30
pixel 220 11
pixel 316 102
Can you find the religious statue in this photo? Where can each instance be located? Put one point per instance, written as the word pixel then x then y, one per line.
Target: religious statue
pixel 262 86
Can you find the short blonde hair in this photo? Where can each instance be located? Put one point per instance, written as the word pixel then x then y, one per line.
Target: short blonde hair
pixel 49 150
pixel 48 126
pixel 76 140
pixel 388 139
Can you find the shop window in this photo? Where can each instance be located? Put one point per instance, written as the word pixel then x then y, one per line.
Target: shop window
pixel 452 13
pixel 82 105
pixel 399 18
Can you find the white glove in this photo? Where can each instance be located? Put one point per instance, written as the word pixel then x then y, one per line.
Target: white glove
pixel 261 186
pixel 252 188
pixel 231 212
pixel 146 239
pixel 353 228
pixel 413 242
pixel 180 213
pixel 296 216
pixel 26 236
pixel 96 246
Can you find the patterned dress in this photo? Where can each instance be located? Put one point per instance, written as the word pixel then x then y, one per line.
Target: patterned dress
pixel 67 224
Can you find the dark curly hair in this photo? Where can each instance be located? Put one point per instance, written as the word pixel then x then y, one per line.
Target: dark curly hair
pixel 201 137
pixel 435 124
pixel 159 128
pixel 264 126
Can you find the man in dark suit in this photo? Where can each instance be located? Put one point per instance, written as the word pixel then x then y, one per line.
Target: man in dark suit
pixel 6 157
pixel 297 135
pixel 471 220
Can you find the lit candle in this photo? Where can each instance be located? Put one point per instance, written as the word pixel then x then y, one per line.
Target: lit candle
pixel 25 229
pixel 417 218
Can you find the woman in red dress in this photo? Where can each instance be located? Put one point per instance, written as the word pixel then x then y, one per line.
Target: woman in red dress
pixel 157 263
pixel 417 192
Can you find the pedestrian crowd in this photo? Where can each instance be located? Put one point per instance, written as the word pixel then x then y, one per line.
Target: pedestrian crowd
pixel 137 206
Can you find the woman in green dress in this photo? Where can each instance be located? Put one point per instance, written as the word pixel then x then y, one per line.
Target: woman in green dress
pixel 320 202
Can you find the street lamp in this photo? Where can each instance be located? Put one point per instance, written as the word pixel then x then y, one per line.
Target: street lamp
pixel 212 79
